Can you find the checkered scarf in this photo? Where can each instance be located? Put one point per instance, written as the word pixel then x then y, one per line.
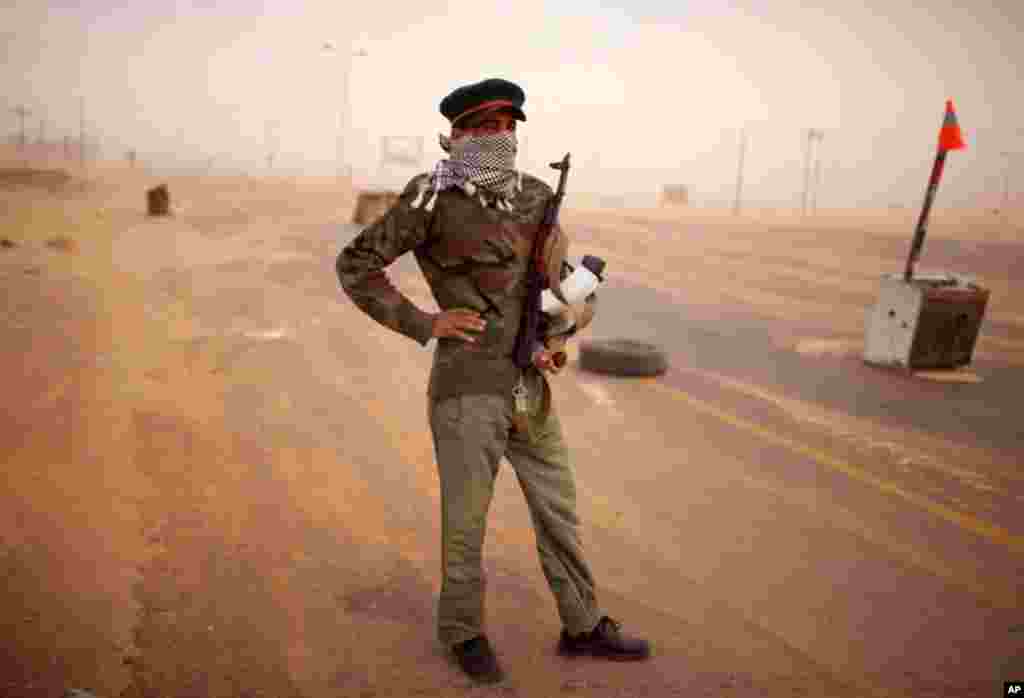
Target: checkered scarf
pixel 482 166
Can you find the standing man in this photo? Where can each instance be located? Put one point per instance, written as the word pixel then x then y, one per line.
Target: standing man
pixel 471 225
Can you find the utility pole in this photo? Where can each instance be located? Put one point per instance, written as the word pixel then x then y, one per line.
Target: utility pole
pixel 81 132
pixel 22 112
pixel 1006 183
pixel 182 162
pixel 270 135
pixel 817 183
pixel 1005 205
pixel 807 166
pixel 739 173
pixel 812 135
pixel 343 116
pixel 346 114
pixel 594 168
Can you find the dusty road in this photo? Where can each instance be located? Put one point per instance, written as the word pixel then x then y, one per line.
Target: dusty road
pixel 219 479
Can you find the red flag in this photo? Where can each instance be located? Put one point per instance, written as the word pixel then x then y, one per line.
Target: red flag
pixel 950 137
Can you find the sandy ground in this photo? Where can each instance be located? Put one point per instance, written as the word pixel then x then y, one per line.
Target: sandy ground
pixel 219 479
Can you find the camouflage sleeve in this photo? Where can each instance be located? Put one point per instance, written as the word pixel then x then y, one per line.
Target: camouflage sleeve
pixel 361 264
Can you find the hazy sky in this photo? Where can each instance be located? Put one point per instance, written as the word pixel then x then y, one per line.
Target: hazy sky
pixel 642 93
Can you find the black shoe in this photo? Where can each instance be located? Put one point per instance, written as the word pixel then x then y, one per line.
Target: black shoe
pixel 606 641
pixel 478 661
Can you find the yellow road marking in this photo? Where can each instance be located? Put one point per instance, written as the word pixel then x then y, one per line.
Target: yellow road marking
pixel 985 529
pixel 843 519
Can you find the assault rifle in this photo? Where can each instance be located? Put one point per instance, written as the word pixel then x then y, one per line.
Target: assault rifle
pixel 531 326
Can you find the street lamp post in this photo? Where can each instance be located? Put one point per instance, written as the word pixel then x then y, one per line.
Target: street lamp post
pixel 271 142
pixel 739 173
pixel 81 132
pixel 1006 183
pixel 22 112
pixel 812 135
pixel 344 111
pixel 817 184
pixel 1004 207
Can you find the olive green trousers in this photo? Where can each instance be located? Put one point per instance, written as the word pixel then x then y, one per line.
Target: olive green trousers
pixel 471 434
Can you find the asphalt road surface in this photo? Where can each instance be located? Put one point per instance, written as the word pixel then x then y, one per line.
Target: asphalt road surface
pixel 220 483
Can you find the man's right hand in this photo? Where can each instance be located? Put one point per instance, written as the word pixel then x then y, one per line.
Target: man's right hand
pixel 456 322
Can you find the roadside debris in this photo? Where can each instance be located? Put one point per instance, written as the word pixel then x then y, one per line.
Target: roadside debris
pixel 62 243
pixel 158 201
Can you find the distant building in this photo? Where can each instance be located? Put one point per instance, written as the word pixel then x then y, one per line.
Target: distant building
pixel 675 195
pixel 46 151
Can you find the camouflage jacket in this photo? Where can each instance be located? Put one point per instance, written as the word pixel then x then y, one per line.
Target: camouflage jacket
pixel 472 257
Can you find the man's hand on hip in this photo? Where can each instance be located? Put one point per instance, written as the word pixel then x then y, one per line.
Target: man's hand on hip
pixel 457 322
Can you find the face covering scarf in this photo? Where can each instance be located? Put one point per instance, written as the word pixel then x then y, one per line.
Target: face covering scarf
pixel 482 166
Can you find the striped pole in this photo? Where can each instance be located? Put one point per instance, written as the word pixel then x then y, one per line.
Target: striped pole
pixel 950 138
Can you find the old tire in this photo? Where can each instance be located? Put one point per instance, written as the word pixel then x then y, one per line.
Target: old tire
pixel 623 357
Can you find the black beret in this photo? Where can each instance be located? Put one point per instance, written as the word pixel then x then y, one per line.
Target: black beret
pixel 493 93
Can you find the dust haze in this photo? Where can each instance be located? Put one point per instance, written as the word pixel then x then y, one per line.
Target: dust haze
pixel 643 94
pixel 218 477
